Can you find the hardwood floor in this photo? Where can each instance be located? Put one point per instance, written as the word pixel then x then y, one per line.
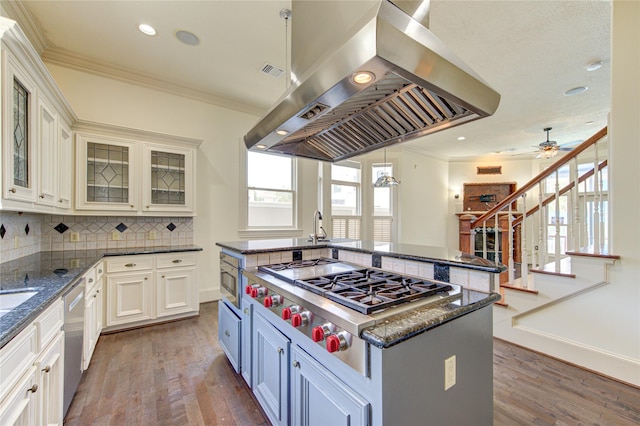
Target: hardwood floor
pixel 177 374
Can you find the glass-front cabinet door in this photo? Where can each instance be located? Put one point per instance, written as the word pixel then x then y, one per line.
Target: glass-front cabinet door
pixel 19 98
pixel 106 174
pixel 167 178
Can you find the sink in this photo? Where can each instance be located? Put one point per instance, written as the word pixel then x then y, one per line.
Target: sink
pixel 8 301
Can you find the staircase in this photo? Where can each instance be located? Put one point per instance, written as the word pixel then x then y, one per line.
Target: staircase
pixel 550 300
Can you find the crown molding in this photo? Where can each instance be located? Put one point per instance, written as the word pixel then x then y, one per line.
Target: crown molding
pixel 19 12
pixel 68 59
pixel 85 126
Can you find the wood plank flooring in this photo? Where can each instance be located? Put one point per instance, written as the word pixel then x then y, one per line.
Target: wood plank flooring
pixel 177 374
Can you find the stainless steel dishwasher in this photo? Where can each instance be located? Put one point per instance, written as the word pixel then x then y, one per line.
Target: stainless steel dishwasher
pixel 73 340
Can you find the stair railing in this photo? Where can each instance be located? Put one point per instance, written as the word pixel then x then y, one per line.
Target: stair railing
pixel 585 224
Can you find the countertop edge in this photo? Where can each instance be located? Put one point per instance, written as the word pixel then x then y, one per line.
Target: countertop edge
pixel 407 332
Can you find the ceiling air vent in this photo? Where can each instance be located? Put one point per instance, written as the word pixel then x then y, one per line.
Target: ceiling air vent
pixel 272 70
pixel 489 170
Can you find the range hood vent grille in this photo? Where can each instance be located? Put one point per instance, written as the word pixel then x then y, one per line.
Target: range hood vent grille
pixel 385 113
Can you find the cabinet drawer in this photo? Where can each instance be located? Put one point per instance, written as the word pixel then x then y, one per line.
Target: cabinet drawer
pixel 229 334
pixel 173 260
pixel 49 323
pixel 129 263
pixel 16 357
pixel 90 281
pixel 99 268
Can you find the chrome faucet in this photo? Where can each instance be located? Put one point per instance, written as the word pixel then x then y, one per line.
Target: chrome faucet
pixel 317 226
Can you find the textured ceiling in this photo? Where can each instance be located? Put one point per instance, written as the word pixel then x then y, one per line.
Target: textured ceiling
pixel 529 51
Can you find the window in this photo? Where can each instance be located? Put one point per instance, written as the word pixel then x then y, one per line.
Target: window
pixel 270 191
pixel 345 199
pixel 382 204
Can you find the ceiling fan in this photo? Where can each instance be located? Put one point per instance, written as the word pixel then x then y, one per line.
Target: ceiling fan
pixel 549 149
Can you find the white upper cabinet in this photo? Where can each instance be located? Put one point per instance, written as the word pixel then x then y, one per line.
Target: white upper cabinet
pixel 134 171
pixel 36 119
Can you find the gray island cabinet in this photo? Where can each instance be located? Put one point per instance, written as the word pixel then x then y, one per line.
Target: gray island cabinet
pixel 313 358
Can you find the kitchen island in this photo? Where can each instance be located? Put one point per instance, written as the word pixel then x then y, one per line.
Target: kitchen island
pixel 310 354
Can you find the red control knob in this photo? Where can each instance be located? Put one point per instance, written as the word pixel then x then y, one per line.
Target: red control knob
pixel 259 291
pixel 333 343
pixel 317 334
pixel 268 302
pixel 296 320
pixel 286 313
pixel 248 289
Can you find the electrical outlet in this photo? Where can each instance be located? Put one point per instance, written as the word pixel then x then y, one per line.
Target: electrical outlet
pixel 115 235
pixel 74 237
pixel 152 235
pixel 16 242
pixel 449 372
pixel 74 263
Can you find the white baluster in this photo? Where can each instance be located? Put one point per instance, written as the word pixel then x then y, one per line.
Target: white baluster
pixel 576 206
pixel 596 203
pixel 510 239
pixel 557 249
pixel 588 236
pixel 542 219
pixel 484 239
pixel 524 256
pixel 497 241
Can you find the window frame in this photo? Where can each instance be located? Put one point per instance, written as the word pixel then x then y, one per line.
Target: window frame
pixel 349 219
pixel 248 231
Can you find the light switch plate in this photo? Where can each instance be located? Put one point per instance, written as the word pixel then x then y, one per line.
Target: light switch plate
pixel 74 237
pixel 152 235
pixel 115 235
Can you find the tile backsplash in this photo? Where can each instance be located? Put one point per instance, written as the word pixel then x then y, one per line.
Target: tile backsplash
pixel 55 232
pixel 21 236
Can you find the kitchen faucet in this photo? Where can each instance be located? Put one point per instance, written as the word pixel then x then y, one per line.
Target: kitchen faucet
pixel 317 223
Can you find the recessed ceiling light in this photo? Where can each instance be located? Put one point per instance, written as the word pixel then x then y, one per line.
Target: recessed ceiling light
pixel 461 138
pixel 187 38
pixel 576 91
pixel 589 123
pixel 595 65
pixel 282 132
pixel 147 29
pixel 260 146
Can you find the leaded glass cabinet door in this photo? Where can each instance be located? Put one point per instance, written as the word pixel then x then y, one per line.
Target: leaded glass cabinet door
pixel 167 179
pixel 19 99
pixel 106 178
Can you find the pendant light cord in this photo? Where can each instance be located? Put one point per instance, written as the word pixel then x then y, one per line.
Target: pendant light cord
pixel 286 15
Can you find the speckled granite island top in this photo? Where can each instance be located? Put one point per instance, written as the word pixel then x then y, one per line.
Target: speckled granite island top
pixel 51 274
pixel 441 255
pixel 411 323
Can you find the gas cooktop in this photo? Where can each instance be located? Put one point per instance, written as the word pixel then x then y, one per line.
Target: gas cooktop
pixel 365 290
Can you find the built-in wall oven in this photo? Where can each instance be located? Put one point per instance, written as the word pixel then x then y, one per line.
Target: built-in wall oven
pixel 230 279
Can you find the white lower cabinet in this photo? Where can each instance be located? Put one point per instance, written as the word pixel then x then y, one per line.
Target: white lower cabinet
pixel 32 372
pixel 130 298
pixel 50 365
pixel 320 398
pixel 143 289
pixel 93 314
pixel 271 370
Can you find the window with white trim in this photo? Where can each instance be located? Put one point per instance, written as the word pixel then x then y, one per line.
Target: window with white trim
pixel 382 218
pixel 346 215
pixel 271 191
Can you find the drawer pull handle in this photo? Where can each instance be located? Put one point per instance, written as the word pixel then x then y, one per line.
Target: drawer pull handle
pixel 99 271
pixel 90 280
pixel 226 333
pixel 95 295
pixel 130 265
pixel 33 389
pixel 176 261
pixel 12 190
pixel 296 364
pixel 47 369
pixel 280 350
pixel 41 195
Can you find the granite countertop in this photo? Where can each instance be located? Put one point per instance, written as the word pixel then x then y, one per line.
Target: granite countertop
pixel 442 255
pixel 51 274
pixel 411 323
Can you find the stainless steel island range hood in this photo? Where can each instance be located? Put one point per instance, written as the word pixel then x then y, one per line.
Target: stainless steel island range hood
pixel 388 80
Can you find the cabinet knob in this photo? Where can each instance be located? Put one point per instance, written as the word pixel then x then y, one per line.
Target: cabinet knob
pixel 33 388
pixel 146 278
pixel 41 195
pixel 296 364
pixel 95 295
pixel 47 369
pixel 226 333
pixel 246 311
pixel 130 265
pixel 60 200
pixel 12 190
pixel 148 207
pixel 176 261
pixel 280 350
pixel 99 271
pixel 131 206
pixel 90 280
pixel 163 276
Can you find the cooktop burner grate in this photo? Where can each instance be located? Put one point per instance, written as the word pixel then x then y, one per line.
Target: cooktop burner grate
pixel 370 290
pixel 296 264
